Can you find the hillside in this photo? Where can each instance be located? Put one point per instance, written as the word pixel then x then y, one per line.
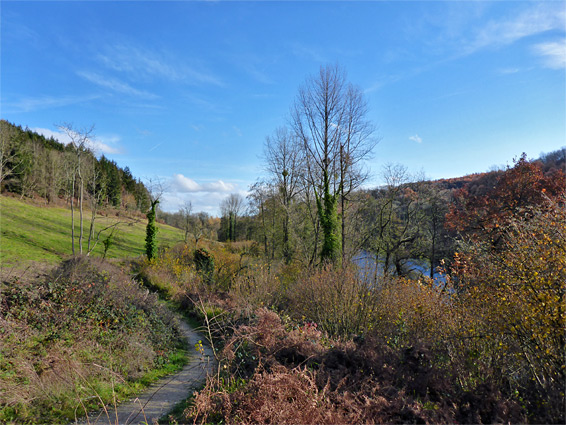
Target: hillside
pixel 33 166
pixel 37 233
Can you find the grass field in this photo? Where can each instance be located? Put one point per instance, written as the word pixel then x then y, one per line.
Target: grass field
pixel 34 233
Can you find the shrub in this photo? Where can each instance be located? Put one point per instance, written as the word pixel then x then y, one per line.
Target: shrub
pixel 517 293
pixel 204 263
pixel 64 339
pixel 340 300
pixel 277 372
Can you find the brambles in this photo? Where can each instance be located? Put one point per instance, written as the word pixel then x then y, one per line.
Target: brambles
pixel 85 331
pixel 277 372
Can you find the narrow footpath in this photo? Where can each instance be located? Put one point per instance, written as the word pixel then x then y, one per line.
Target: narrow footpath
pixel 160 398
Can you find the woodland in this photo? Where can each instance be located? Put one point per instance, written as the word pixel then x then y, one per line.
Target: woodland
pixel 417 301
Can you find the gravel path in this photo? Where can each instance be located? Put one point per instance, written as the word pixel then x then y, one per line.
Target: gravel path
pixel 163 395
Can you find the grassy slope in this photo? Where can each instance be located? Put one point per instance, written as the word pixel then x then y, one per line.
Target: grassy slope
pixel 33 233
pixel 29 234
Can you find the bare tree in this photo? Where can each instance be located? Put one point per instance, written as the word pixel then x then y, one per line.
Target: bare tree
pixel 260 194
pixel 200 225
pixel 356 146
pixel 329 117
pixel 231 208
pixel 394 218
pixel 80 143
pixel 97 189
pixel 284 161
pixel 185 211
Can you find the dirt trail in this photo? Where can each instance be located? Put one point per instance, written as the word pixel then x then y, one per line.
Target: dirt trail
pixel 162 396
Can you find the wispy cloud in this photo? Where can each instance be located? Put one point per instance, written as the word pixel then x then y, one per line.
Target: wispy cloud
pixel 100 145
pixel 553 53
pixel 471 33
pixel 416 138
pixel 182 184
pixel 144 133
pixel 508 71
pixel 254 66
pixel 115 85
pixel 137 61
pixel 237 130
pixel 312 53
pixel 211 106
pixel 30 104
pixel 383 81
pixel 257 73
pixel 531 21
pixel 104 144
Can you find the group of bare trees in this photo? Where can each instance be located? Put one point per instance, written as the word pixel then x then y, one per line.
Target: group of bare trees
pixel 402 222
pixel 329 119
pixel 311 205
pixel 314 165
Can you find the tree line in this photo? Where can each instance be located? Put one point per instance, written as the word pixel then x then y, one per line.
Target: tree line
pixel 34 165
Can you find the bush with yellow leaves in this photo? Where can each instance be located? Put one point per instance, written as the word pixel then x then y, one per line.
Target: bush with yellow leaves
pixel 515 298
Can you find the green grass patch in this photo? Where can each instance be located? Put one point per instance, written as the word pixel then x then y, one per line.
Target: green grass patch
pixel 33 233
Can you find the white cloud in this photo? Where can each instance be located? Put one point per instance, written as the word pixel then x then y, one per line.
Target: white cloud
pixel 508 71
pixel 237 130
pixel 128 58
pixel 553 53
pixel 416 138
pixel 183 184
pixel 219 186
pixel 57 135
pixel 203 196
pixel 100 144
pixel 45 102
pixel 115 85
pixel 207 202
pixel 312 53
pixel 103 144
pixel 534 20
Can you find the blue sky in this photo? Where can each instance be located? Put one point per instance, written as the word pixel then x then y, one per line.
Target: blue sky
pixel 186 92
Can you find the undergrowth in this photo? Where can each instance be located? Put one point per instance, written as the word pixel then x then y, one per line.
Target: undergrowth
pixel 324 345
pixel 86 336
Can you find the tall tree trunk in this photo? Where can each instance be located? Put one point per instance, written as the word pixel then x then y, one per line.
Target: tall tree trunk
pixel 81 214
pixel 343 222
pixel 73 215
pixel 329 221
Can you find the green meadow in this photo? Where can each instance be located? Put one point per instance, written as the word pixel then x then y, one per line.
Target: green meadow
pixel 40 233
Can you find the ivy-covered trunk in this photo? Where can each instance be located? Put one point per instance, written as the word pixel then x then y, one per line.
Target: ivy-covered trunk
pixel 151 232
pixel 328 214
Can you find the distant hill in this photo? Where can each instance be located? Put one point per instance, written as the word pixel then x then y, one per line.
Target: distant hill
pixel 476 183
